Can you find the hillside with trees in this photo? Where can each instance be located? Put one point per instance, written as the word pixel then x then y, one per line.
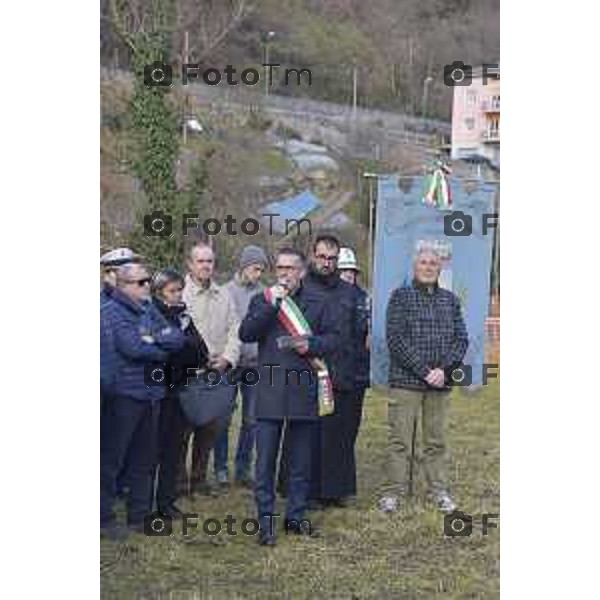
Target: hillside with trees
pixel 394 44
pixel 386 54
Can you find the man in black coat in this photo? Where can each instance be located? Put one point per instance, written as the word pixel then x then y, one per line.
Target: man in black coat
pixel 287 390
pixel 334 464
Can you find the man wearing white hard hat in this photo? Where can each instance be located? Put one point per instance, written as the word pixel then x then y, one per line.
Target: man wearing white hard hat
pixel 348 266
pixel 349 270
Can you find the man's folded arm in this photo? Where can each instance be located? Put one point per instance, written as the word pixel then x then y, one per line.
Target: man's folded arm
pixel 130 343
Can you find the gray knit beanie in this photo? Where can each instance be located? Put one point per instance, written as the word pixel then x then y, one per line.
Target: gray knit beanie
pixel 252 255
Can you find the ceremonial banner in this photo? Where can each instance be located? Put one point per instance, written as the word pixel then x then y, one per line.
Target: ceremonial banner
pixel 462 235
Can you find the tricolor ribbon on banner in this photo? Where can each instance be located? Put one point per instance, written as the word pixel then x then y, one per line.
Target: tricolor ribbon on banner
pixel 437 187
pixel 295 323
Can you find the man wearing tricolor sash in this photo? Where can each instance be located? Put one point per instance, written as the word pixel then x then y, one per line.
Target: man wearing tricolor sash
pixel 295 331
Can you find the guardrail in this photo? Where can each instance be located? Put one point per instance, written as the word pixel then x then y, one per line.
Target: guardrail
pixel 306 106
pixel 491 135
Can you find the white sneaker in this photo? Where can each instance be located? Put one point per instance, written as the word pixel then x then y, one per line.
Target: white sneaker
pixel 444 501
pixel 388 504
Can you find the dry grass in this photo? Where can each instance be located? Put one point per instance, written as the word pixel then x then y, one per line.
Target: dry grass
pixel 361 554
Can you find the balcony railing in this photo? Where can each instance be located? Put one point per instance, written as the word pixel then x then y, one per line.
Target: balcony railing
pixel 491 135
pixel 491 105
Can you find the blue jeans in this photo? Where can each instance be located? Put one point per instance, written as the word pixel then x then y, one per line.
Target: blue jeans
pixel 245 446
pixel 300 434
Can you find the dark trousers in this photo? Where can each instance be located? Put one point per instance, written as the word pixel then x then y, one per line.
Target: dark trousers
pixel 205 437
pixel 268 439
pixel 129 434
pixel 172 450
pixel 334 460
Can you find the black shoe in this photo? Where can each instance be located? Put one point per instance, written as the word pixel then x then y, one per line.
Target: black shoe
pixel 303 527
pixel 114 533
pixel 340 502
pixel 314 505
pixel 267 540
pixel 245 482
pixel 172 511
pixel 136 528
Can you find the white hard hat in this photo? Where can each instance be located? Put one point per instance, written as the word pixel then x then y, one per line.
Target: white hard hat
pixel 347 259
pixel 118 257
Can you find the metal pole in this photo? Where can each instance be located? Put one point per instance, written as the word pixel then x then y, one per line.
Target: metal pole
pixel 186 51
pixel 370 232
pixel 266 63
pixel 354 91
pixel 426 83
pixel 370 177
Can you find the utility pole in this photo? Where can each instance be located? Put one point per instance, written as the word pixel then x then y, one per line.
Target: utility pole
pixel 354 91
pixel 266 37
pixel 266 63
pixel 186 58
pixel 426 83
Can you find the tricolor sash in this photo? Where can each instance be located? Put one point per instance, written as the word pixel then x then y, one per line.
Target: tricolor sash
pixel 437 188
pixel 295 323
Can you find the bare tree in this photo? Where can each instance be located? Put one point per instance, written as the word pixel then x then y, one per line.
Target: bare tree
pixel 208 22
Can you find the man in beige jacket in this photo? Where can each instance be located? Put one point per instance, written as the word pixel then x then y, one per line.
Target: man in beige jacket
pixel 213 311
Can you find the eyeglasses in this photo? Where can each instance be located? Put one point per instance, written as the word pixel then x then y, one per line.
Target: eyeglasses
pixel 140 282
pixel 325 258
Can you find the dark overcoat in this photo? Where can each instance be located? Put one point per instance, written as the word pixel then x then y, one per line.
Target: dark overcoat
pixel 287 386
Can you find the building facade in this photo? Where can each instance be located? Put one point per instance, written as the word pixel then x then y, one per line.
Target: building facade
pixel 476 118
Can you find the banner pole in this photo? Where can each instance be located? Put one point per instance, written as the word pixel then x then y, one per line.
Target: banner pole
pixel 370 177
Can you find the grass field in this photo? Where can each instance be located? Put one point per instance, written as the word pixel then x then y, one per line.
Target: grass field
pixel 361 553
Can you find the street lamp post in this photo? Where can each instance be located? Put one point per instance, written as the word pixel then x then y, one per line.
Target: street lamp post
pixel 426 83
pixel 266 38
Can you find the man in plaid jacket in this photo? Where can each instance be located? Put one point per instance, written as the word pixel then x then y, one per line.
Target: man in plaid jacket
pixel 427 340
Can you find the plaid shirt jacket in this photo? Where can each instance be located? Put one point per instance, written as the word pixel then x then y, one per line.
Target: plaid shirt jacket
pixel 424 330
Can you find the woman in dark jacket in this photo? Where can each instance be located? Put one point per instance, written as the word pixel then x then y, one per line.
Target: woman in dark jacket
pixel 167 288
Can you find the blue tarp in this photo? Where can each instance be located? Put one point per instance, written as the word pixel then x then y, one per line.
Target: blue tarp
pixel 295 207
